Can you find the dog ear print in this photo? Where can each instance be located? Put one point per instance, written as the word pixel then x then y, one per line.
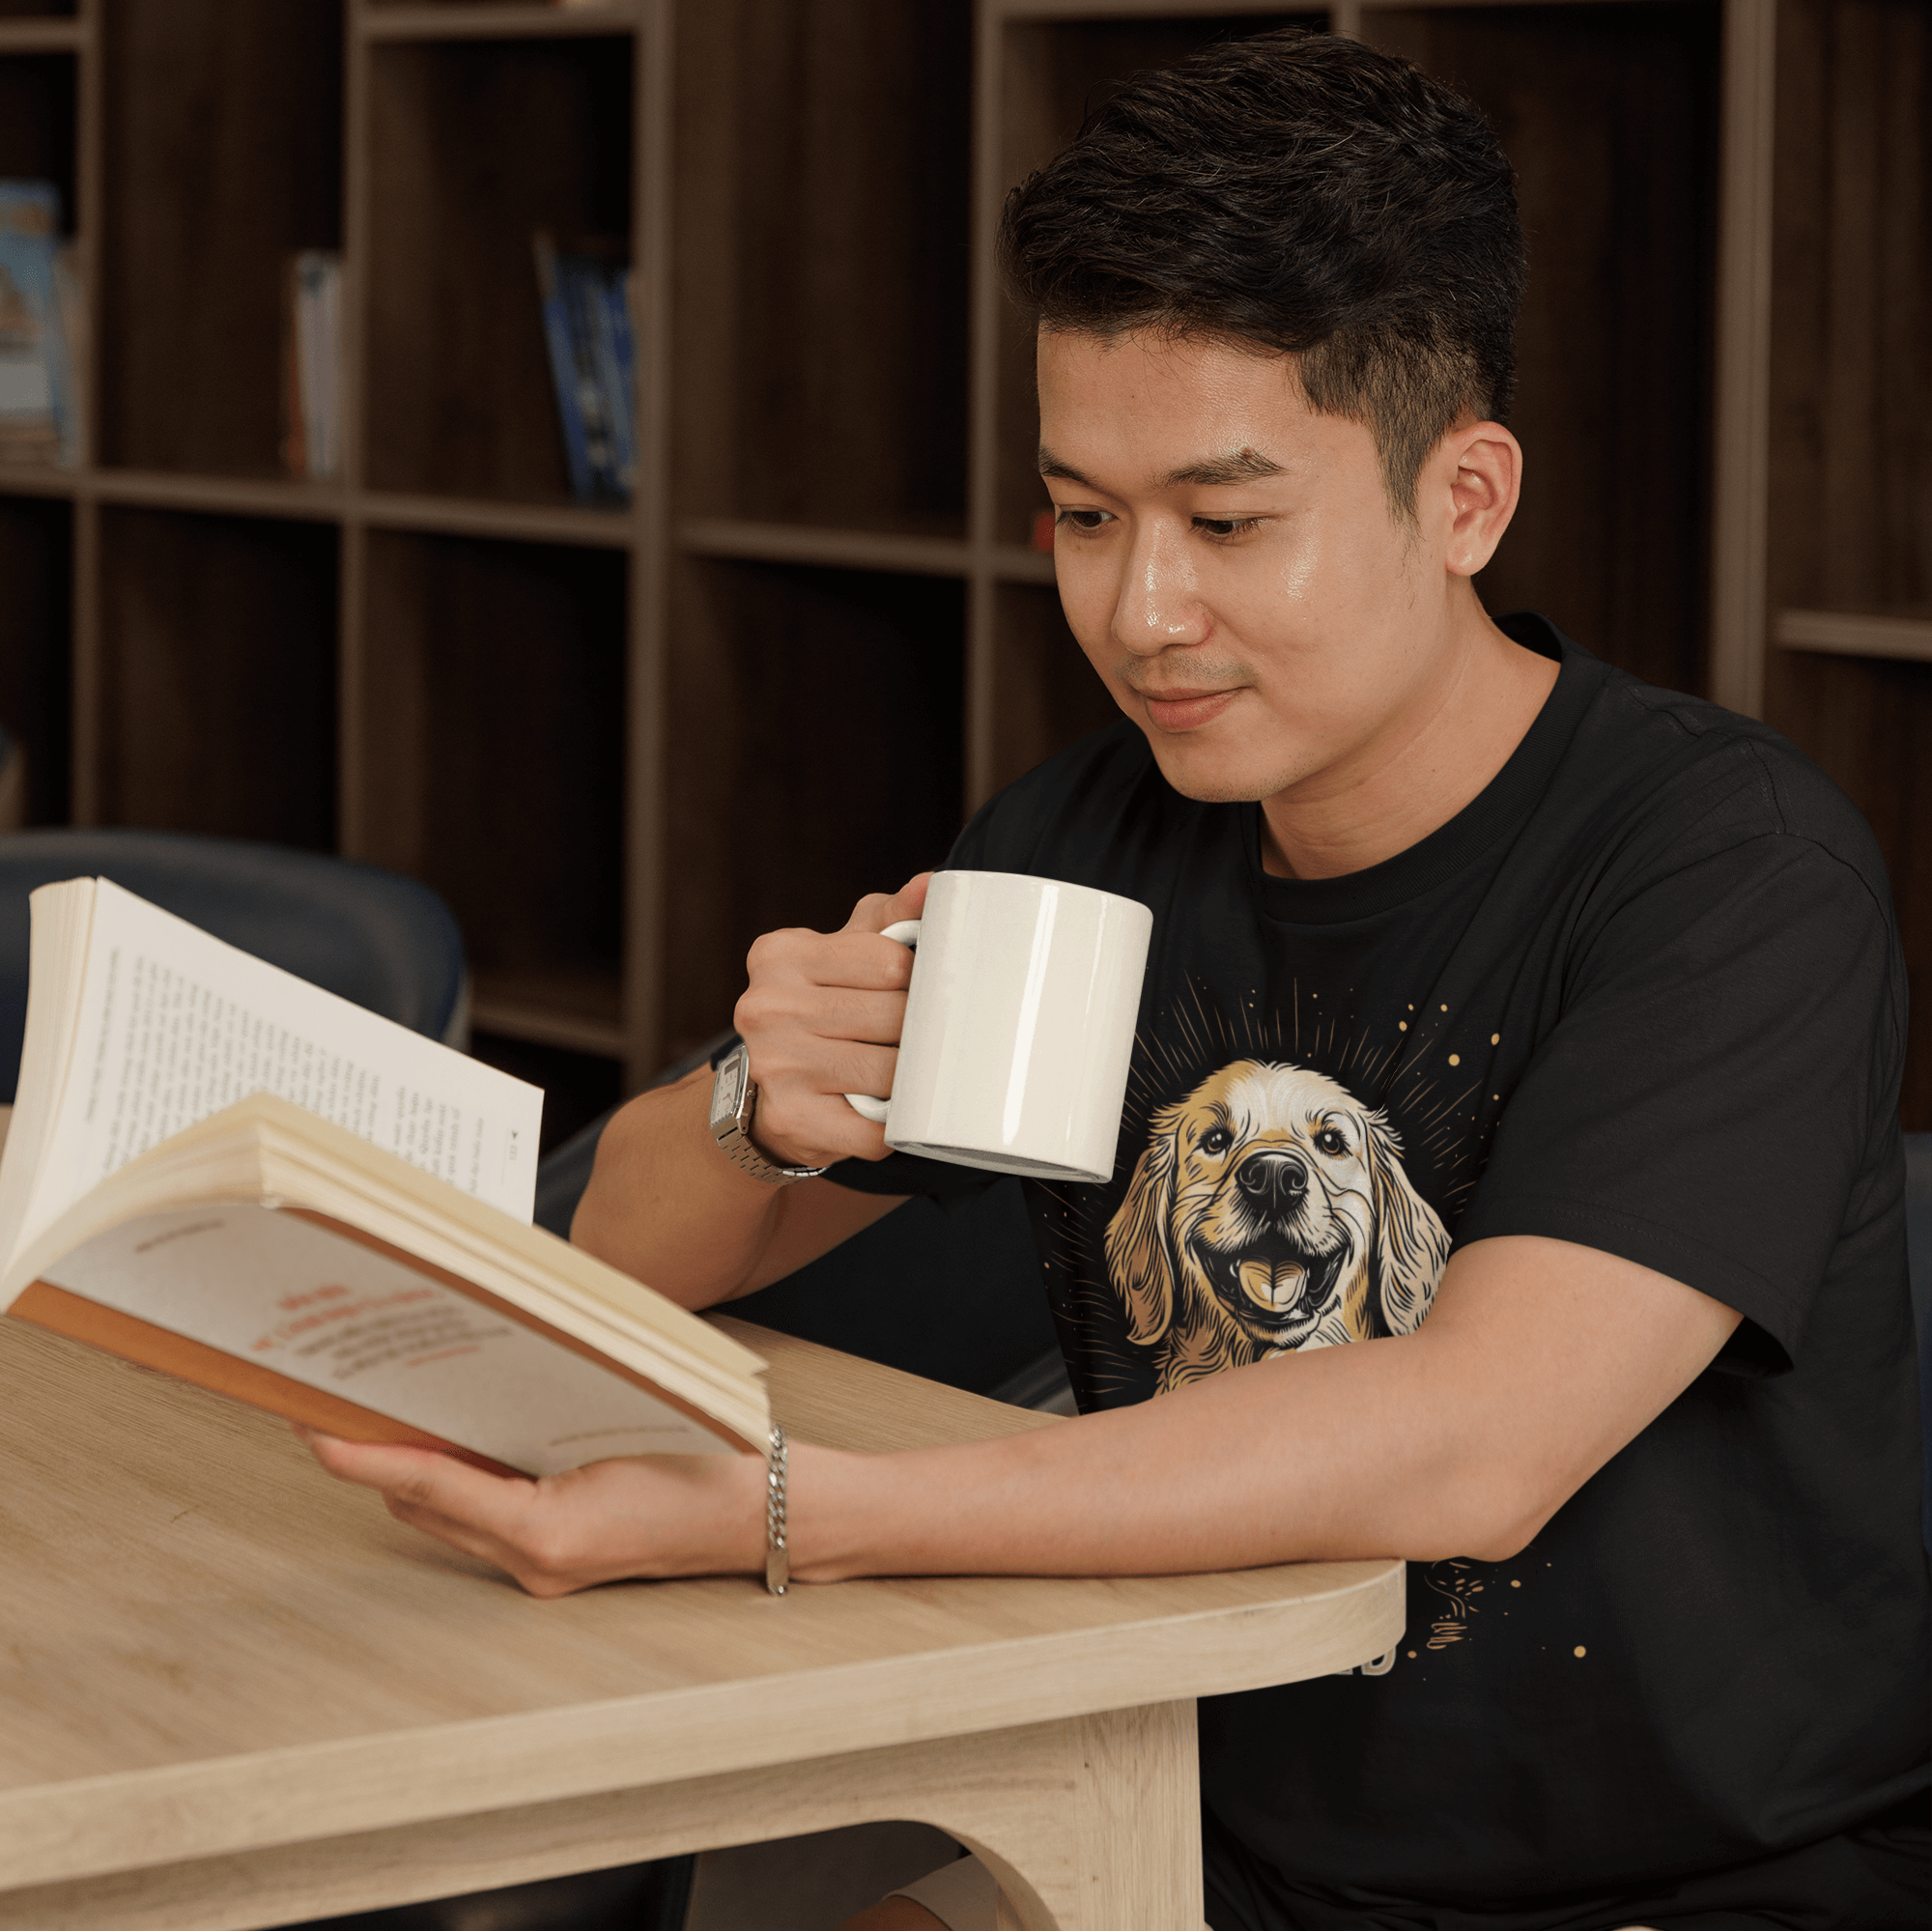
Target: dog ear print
pixel 1411 1244
pixel 1138 1261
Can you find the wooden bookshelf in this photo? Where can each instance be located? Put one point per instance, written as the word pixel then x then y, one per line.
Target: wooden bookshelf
pixel 624 741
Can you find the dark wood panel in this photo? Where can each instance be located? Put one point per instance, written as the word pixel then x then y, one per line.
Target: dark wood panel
pixel 1053 74
pixel 820 321
pixel 36 569
pixel 218 677
pixel 37 125
pixel 1850 491
pixel 1851 475
pixel 475 146
pixel 1868 723
pixel 814 756
pixel 1045 694
pixel 1608 114
pixel 495 747
pixel 223 156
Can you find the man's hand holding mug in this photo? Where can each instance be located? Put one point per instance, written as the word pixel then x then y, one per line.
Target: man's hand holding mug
pixel 981 1018
pixel 821 1016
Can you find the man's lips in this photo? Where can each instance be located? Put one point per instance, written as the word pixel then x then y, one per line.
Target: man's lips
pixel 1185 710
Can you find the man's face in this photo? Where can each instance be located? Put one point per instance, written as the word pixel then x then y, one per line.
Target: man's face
pixel 1230 564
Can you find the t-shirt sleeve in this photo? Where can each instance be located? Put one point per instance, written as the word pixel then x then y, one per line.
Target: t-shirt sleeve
pixel 1730 1041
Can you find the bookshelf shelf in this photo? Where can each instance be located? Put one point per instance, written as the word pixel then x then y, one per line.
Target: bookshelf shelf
pixel 1014 563
pixel 624 739
pixel 1849 634
pixel 36 479
pixel 30 36
pixel 592 527
pixel 508 21
pixel 463 516
pixel 840 549
pixel 508 1007
pixel 234 496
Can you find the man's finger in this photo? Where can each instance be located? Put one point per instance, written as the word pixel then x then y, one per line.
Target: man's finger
pixel 424 1478
pixel 879 909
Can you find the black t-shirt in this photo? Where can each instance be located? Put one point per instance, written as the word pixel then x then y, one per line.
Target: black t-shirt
pixel 1644 993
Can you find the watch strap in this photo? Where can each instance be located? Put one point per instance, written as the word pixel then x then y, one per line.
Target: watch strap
pixel 734 1101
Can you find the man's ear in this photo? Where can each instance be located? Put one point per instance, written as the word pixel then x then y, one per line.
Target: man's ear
pixel 1476 474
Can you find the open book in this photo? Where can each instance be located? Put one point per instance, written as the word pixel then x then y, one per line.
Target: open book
pixel 216 1169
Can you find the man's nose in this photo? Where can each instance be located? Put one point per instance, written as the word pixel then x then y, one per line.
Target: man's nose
pixel 1275 1182
pixel 1158 607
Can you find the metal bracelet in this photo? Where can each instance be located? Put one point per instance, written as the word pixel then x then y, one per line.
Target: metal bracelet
pixel 778 1564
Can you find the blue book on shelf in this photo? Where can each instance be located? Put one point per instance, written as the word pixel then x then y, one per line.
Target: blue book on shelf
pixel 616 363
pixel 37 398
pixel 564 368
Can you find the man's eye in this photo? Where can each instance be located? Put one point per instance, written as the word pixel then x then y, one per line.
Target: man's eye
pixel 1082 519
pixel 1330 1141
pixel 1217 1140
pixel 1223 528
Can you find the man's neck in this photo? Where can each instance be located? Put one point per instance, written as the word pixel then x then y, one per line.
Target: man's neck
pixel 1419 773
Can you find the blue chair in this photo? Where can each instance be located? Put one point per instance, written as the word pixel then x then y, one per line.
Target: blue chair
pixel 385 941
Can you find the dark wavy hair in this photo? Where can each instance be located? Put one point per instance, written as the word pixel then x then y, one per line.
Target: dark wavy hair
pixel 1299 194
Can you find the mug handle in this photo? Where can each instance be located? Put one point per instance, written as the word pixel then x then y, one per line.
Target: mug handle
pixel 906 933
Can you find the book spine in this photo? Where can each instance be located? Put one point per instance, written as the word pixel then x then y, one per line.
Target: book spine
pixel 562 368
pixel 615 359
pixel 578 282
pixel 295 447
pixel 32 363
pixel 328 367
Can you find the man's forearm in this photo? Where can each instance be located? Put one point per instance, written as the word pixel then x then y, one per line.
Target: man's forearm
pixel 1345 1453
pixel 1540 1361
pixel 667 1204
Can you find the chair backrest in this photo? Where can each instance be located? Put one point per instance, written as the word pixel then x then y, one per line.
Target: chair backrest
pixel 1919 1248
pixel 387 942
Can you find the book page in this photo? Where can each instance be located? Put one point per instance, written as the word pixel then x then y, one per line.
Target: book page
pixel 174 1024
pixel 278 1291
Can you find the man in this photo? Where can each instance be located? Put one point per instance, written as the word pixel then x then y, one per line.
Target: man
pixel 1500 955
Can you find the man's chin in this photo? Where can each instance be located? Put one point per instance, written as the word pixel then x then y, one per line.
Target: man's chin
pixel 1219 771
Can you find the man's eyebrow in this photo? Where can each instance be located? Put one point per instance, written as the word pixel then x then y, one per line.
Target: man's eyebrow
pixel 1245 465
pixel 1050 465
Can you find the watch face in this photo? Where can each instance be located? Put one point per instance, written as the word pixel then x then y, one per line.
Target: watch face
pixel 727 1092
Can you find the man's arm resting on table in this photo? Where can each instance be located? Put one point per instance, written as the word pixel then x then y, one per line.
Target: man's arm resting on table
pixel 1538 1361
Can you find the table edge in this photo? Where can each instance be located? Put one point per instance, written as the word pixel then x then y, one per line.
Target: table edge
pixel 92 1826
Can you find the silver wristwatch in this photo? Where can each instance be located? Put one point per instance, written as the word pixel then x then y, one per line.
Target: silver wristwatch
pixel 734 1098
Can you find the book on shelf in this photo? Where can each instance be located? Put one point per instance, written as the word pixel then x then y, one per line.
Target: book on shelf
pixel 43 330
pixel 585 299
pixel 312 365
pixel 218 1170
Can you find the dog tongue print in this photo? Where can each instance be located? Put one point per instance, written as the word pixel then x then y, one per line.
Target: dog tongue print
pixel 1270 1210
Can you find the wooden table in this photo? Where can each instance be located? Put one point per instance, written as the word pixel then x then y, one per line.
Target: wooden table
pixel 235 1693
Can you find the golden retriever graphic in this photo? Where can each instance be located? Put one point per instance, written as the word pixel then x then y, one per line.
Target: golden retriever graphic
pixel 1269 1212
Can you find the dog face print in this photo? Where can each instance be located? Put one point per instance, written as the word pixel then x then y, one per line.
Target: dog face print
pixel 1269 1212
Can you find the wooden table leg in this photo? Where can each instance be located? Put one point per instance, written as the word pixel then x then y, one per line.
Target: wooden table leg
pixel 1090 1824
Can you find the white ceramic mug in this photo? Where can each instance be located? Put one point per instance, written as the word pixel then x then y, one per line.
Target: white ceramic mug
pixel 1020 1025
